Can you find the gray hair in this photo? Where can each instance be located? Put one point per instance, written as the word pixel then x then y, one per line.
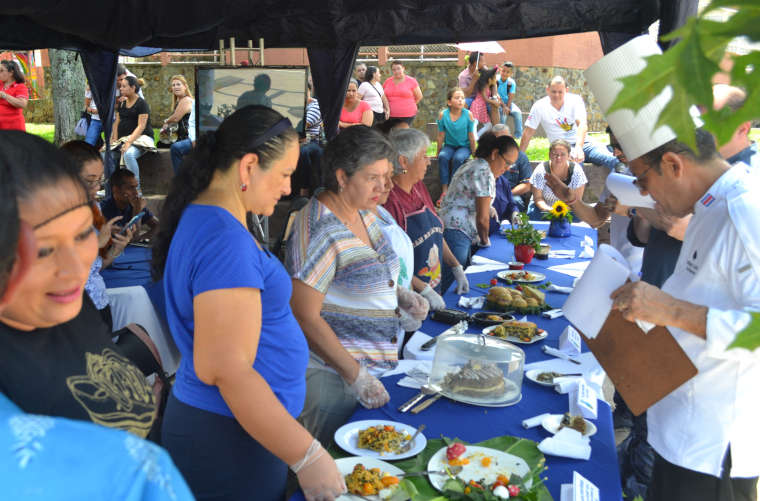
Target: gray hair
pixel 407 143
pixel 501 128
pixel 352 150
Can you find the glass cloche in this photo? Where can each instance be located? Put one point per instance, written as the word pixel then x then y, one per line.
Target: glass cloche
pixel 478 369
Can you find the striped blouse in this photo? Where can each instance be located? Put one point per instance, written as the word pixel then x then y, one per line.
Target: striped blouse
pixel 359 282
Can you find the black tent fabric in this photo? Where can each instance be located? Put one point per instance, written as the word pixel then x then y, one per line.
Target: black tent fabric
pixel 330 29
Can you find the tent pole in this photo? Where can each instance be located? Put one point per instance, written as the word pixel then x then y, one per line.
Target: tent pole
pixel 220 58
pixel 232 51
pixel 261 52
pixel 250 52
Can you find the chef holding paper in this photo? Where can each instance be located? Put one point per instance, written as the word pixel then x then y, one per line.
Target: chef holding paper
pixel 705 432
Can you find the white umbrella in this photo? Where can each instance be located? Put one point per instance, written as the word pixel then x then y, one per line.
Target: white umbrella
pixel 484 47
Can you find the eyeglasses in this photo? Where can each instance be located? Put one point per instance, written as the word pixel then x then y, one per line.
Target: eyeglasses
pixel 506 161
pixel 94 182
pixel 558 155
pixel 639 181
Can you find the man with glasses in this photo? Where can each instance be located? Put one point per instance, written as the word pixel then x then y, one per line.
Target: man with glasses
pixel 125 201
pixel 563 116
pixel 704 433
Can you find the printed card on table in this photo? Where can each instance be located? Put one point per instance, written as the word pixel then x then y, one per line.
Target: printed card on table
pixel 583 401
pixel 570 341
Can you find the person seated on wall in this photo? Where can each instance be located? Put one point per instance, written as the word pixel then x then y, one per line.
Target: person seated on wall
pixel 182 120
pixel 507 88
pixel 469 76
pixel 485 105
pixel 563 116
pixel 258 96
pixel 354 111
pixel 456 137
pixel 559 164
pixel 57 355
pixel 126 201
pixel 308 175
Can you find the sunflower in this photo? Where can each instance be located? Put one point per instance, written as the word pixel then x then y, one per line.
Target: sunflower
pixel 560 210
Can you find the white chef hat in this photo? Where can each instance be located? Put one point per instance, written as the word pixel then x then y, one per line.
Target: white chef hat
pixel 634 132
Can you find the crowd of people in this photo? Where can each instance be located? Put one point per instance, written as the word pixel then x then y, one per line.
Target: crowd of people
pixel 272 356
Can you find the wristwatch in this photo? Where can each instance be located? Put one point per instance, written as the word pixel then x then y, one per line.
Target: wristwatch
pixel 631 211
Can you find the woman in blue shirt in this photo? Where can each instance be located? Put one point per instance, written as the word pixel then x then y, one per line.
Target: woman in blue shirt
pixel 456 137
pixel 230 421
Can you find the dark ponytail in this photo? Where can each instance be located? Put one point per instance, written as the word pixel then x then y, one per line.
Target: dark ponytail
pixel 239 134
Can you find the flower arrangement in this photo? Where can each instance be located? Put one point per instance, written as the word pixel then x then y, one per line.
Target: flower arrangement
pixel 524 233
pixel 560 212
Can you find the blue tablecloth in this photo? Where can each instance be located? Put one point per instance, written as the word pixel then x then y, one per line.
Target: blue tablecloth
pixel 474 424
pixel 132 267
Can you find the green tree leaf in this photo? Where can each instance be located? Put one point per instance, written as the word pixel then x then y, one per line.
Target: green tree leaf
pixel 749 338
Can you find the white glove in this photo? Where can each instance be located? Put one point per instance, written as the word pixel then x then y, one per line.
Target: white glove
pixel 368 390
pixel 318 475
pixel 408 322
pixel 433 298
pixel 493 214
pixel 463 286
pixel 412 303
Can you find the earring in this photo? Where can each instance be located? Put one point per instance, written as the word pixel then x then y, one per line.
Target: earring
pixel 404 171
pixel 243 187
pixel 340 189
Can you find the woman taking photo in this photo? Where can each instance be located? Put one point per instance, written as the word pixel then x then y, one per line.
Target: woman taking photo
pixel 57 356
pixel 230 420
pixel 183 119
pixel 403 93
pixel 344 283
pixel 355 111
pixel 411 206
pixel 13 96
pixel 371 91
pixel 559 164
pixel 466 208
pixel 132 132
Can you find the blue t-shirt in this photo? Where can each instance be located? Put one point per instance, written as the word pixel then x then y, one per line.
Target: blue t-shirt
pixel 457 132
pixel 505 88
pixel 212 250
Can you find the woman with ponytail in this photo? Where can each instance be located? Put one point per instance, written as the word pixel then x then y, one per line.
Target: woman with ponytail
pixel 230 421
pixel 132 134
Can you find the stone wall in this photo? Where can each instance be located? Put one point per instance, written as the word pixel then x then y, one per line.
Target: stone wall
pixel 435 79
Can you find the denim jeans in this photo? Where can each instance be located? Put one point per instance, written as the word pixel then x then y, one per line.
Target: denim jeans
pixel 178 150
pixel 460 245
pixel 130 159
pixel 599 155
pixel 449 160
pixel 517 116
pixel 93 131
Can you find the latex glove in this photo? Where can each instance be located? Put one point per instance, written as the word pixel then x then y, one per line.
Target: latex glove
pixel 433 298
pixel 408 322
pixel 412 303
pixel 368 390
pixel 493 214
pixel 463 286
pixel 318 475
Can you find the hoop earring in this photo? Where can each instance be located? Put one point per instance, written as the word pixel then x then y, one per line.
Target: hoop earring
pixel 243 187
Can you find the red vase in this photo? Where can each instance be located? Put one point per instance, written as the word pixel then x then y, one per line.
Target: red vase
pixel 524 253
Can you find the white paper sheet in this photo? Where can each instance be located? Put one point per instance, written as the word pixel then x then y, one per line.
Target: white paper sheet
pixel 626 192
pixel 575 269
pixel 588 306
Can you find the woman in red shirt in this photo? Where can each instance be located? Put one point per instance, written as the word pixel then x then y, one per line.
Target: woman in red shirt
pixel 355 111
pixel 403 93
pixel 13 96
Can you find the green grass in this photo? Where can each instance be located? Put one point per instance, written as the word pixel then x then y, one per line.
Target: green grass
pixel 47 132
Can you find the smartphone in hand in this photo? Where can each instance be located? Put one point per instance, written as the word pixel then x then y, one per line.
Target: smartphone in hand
pixel 132 222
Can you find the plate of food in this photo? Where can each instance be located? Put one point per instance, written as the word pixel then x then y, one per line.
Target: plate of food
pixel 544 378
pixel 490 317
pixel 555 422
pixel 525 276
pixel 478 464
pixel 517 332
pixel 376 438
pixel 368 478
pixel 480 383
pixel 523 299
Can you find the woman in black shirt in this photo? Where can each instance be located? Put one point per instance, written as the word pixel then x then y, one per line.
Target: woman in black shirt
pixel 56 354
pixel 132 127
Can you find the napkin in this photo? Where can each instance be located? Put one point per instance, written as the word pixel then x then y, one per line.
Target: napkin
pixel 481 264
pixel 587 252
pixel 417 374
pixel 562 254
pixel 535 420
pixel 567 443
pixel 472 302
pixel 575 269
pixel 559 288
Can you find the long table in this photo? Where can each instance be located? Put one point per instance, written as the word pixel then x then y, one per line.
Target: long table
pixel 474 424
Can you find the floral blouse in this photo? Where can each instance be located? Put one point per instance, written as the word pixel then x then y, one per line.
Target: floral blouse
pixel 473 179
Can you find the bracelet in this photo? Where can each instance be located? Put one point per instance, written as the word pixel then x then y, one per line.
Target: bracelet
pixel 571 202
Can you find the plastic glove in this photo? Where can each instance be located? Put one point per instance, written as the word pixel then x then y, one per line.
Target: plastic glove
pixel 368 390
pixel 493 214
pixel 463 286
pixel 433 298
pixel 414 304
pixel 408 322
pixel 318 475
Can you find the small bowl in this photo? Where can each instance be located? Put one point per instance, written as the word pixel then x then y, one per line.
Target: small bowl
pixel 516 265
pixel 543 252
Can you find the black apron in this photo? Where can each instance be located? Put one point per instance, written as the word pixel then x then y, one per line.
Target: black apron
pixel 425 230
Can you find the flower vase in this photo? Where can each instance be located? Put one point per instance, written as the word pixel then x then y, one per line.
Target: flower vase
pixel 559 228
pixel 524 253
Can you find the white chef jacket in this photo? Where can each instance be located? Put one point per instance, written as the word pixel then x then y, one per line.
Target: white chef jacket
pixel 719 267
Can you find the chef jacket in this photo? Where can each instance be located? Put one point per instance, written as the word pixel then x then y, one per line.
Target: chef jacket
pixel 719 267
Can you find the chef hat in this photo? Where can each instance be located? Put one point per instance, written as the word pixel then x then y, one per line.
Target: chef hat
pixel 634 132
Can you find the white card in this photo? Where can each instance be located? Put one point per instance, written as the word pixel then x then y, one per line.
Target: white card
pixel 584 490
pixel 582 401
pixel 627 192
pixel 570 341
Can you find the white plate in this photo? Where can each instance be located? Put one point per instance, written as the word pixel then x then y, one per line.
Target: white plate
pixel 552 421
pixel 347 438
pixel 346 466
pixel 541 335
pixel 514 274
pixel 533 376
pixel 501 464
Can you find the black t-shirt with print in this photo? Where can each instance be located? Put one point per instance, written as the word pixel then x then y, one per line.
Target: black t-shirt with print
pixel 74 370
pixel 128 117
